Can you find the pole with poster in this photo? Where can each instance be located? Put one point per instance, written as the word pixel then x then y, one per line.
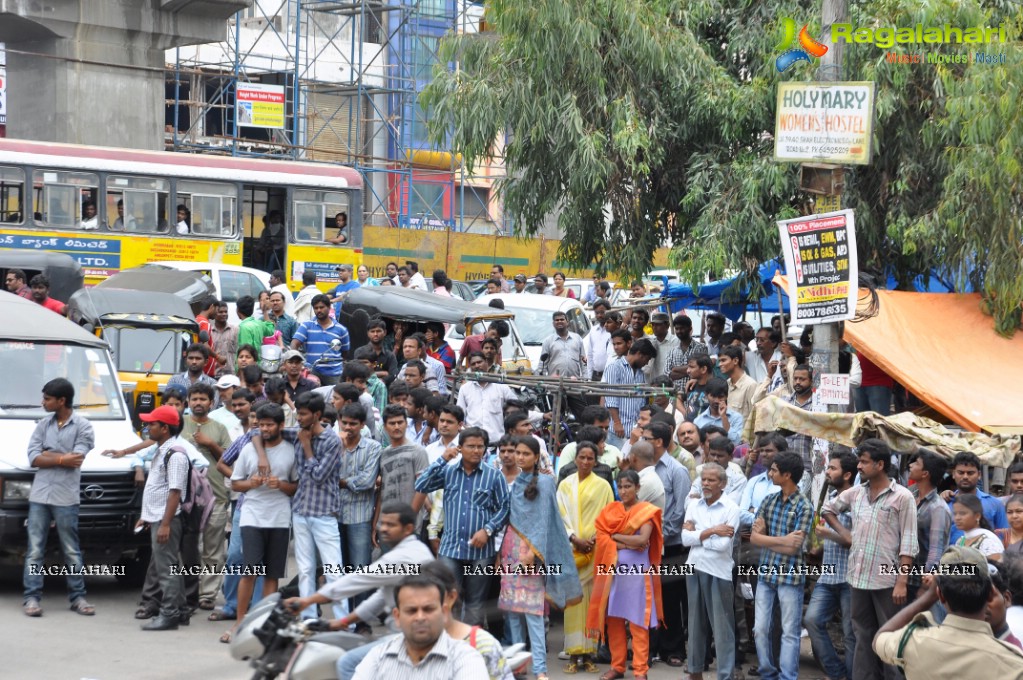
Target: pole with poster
pixel 820 257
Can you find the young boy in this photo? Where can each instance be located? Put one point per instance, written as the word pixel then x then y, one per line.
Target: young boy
pixel 401 463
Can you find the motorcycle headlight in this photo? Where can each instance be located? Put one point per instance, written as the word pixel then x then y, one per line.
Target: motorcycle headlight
pixel 16 489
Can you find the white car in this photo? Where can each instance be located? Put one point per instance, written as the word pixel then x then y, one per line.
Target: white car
pixel 231 281
pixel 533 319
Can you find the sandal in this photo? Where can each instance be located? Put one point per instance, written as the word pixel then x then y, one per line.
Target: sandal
pixel 221 615
pixel 32 608
pixel 81 606
pixel 226 637
pixel 146 612
pixel 588 666
pixel 612 675
pixel 572 668
pixel 675 661
pixel 206 604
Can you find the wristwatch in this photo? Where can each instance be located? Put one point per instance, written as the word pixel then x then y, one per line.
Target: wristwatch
pixel 490 533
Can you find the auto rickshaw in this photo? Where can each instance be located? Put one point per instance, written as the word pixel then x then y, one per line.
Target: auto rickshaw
pixel 192 287
pixel 416 308
pixel 148 333
pixel 64 271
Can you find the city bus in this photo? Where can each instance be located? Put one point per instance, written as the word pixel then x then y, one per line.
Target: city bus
pixel 114 209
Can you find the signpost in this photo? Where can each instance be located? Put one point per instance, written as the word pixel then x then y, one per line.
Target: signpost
pixel 259 105
pixel 824 122
pixel 834 389
pixel 820 258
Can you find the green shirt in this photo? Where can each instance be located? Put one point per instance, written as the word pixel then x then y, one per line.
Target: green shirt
pixel 219 434
pixel 251 331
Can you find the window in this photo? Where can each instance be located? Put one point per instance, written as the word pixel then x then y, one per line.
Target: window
pixel 140 204
pixel 314 214
pixel 437 9
pixel 12 195
pixel 425 57
pixel 30 365
pixel 210 205
pixel 475 202
pixel 61 197
pixel 234 285
pixel 426 210
pixel 147 349
pixel 577 322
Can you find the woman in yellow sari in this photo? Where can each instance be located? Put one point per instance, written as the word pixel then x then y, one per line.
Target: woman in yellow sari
pixel 581 497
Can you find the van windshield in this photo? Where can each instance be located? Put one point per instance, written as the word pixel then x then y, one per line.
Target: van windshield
pixel 147 349
pixel 30 365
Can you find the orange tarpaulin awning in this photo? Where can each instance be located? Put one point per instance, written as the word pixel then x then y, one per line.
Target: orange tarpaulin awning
pixel 943 349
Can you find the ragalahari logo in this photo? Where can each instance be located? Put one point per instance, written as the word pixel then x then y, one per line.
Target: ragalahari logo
pixel 808 47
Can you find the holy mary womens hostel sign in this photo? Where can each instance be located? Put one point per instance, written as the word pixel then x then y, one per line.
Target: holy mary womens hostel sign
pixel 824 122
pixel 820 258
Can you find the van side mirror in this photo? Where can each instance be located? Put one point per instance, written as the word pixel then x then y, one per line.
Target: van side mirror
pixel 460 329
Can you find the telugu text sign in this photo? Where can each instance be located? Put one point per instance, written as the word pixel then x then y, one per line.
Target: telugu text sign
pixel 259 105
pixel 820 258
pixel 824 122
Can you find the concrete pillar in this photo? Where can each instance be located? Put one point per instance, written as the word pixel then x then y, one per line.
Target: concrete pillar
pixel 92 71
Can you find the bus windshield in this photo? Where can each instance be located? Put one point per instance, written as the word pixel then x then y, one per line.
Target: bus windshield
pixel 30 365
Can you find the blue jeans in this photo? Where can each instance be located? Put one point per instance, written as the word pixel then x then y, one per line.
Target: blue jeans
pixel 312 535
pixel 472 589
pixel 875 398
pixel 350 660
pixel 711 611
pixel 827 598
pixel 790 599
pixel 357 547
pixel 66 517
pixel 235 559
pixel 537 639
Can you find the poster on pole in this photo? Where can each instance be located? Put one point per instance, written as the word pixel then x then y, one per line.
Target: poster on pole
pixel 820 258
pixel 824 122
pixel 259 105
pixel 3 97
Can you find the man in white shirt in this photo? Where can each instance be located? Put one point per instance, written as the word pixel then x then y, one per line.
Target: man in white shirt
pixel 416 280
pixel 224 415
pixel 279 284
pixel 664 341
pixel 483 402
pixel 709 531
pixel 758 363
pixel 303 304
pixel 651 488
pixel 597 341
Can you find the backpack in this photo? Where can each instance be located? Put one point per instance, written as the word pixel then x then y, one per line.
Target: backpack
pixel 197 499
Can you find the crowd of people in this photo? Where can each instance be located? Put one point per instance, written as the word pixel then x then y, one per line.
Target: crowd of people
pixel 669 531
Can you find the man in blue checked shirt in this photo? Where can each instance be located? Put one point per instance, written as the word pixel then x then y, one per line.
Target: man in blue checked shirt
pixel 316 335
pixel 317 502
pixel 475 509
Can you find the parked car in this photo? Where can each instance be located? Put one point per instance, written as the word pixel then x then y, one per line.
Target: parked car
pixel 41 346
pixel 533 319
pixel 579 287
pixel 230 281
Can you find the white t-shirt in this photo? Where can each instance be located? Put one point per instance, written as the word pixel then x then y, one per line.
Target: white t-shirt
pixel 264 507
pixel 983 540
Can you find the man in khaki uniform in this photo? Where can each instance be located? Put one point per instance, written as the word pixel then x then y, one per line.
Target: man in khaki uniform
pixel 961 647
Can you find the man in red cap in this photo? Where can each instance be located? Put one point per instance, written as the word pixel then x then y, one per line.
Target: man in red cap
pixel 161 510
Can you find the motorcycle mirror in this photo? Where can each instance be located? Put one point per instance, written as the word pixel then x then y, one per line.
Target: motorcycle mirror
pixel 544 357
pixel 335 345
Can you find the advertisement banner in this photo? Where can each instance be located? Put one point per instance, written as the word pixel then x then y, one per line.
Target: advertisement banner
pixel 3 97
pixel 824 122
pixel 820 258
pixel 259 105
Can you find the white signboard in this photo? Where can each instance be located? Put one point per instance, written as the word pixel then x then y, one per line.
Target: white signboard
pixel 823 274
pixel 824 122
pixel 3 97
pixel 834 389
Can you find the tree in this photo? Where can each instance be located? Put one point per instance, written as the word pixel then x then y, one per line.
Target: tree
pixel 641 122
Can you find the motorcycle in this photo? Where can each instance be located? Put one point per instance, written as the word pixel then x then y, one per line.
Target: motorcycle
pixel 270 361
pixel 277 642
pixel 331 358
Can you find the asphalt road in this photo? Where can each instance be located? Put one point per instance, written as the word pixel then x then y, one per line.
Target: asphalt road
pixel 62 645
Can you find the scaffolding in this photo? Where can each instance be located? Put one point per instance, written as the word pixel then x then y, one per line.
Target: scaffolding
pixel 351 72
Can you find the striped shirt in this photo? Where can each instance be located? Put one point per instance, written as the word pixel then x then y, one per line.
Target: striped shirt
pixel 170 471
pixel 472 502
pixel 783 516
pixel 836 556
pixel 359 468
pixel 621 372
pixel 316 339
pixel 319 477
pixel 680 357
pixel 933 524
pixel 449 659
pixel 883 530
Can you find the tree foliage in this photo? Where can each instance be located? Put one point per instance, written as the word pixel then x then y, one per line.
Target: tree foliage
pixel 640 122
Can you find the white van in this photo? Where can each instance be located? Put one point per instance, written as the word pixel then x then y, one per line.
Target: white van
pixel 36 347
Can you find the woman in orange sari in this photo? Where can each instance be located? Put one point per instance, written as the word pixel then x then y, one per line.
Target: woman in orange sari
pixel 624 588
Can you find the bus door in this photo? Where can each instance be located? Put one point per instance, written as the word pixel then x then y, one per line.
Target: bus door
pixel 264 226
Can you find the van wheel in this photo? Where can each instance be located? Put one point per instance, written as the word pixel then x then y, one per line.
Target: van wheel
pixel 134 568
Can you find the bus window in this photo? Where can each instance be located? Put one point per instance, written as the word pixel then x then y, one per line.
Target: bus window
pixel 314 214
pixel 60 197
pixel 12 195
pixel 212 206
pixel 140 204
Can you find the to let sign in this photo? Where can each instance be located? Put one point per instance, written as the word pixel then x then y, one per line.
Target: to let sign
pixel 834 389
pixel 824 122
